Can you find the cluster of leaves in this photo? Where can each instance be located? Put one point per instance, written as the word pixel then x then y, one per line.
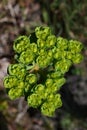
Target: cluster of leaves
pixel 42 61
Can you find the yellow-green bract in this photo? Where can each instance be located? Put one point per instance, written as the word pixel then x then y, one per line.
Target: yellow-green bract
pixel 42 59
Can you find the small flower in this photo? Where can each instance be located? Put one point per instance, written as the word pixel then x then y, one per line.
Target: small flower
pixel 42 32
pixel 21 44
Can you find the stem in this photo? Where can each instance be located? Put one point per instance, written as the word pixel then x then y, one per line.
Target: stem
pixel 34 68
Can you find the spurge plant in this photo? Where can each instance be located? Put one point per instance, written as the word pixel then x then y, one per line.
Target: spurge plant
pixel 42 59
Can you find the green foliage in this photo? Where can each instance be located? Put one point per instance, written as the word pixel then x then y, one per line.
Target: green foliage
pixel 62 16
pixel 3 105
pixel 69 122
pixel 41 65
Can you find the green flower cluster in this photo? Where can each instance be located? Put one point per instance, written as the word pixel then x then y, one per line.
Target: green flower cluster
pixel 42 61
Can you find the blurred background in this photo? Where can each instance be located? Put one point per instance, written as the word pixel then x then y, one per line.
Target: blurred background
pixel 67 18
